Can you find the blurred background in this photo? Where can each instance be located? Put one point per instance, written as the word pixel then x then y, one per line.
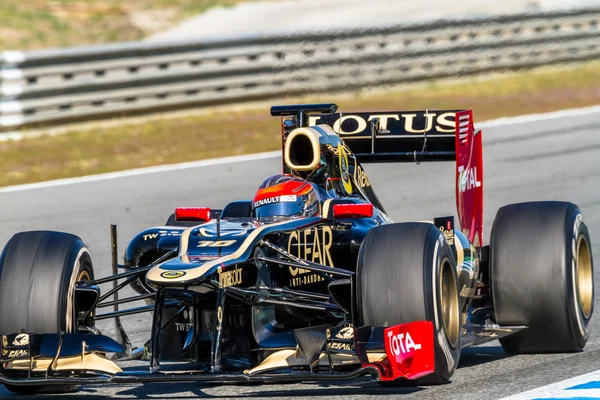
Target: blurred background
pixel 39 24
pixel 104 76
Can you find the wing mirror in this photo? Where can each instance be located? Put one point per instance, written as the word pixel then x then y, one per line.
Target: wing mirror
pixel 352 211
pixel 192 214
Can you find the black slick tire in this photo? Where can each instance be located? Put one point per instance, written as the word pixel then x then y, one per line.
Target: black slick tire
pixel 407 272
pixel 542 276
pixel 38 271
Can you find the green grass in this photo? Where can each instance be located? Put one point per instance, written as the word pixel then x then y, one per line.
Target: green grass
pixel 35 24
pixel 171 139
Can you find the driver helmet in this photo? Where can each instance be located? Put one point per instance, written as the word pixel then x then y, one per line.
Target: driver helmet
pixel 285 196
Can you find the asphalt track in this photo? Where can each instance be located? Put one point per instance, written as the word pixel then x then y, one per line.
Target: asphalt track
pixel 553 159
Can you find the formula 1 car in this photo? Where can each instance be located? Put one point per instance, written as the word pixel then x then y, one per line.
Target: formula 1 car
pixel 238 297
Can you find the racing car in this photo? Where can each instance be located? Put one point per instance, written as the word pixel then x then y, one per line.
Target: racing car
pixel 309 280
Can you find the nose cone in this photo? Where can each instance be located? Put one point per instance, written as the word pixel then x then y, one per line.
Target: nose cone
pixel 203 249
pixel 180 271
pixel 169 273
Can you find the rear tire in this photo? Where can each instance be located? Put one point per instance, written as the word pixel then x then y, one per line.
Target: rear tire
pixel 38 271
pixel 542 276
pixel 407 272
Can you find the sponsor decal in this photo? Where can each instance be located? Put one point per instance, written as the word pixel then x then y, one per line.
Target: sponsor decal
pixel 446 226
pixel 218 243
pixel 230 278
pixel 402 344
pixel 345 333
pixel 340 346
pixel 313 244
pixel 304 278
pixel 468 178
pixel 360 176
pixel 396 123
pixel 184 326
pixel 343 161
pixel 410 350
pixel 219 324
pixel 172 274
pixel 448 234
pixel 152 236
pixel 275 199
pixel 268 200
pixel 342 340
pixel 22 339
pixel 359 122
pixel 16 353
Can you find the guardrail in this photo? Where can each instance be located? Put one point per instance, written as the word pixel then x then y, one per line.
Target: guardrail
pixel 59 85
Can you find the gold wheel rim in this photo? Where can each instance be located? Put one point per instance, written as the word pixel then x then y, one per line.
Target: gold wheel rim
pixel 83 276
pixel 449 302
pixel 585 279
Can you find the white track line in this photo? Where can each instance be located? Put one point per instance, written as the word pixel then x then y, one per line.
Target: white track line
pixel 143 171
pixel 564 389
pixel 575 112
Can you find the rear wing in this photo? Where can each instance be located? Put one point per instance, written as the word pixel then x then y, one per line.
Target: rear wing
pixel 408 136
pixel 399 136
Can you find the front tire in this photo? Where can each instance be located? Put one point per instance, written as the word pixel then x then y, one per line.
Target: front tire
pixel 542 276
pixel 407 272
pixel 38 272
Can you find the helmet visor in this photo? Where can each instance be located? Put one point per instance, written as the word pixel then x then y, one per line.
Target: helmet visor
pixel 285 209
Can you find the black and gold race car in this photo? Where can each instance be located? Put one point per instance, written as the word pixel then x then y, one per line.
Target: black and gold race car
pixel 310 280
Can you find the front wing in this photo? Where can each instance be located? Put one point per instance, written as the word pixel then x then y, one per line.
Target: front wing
pixel 399 352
